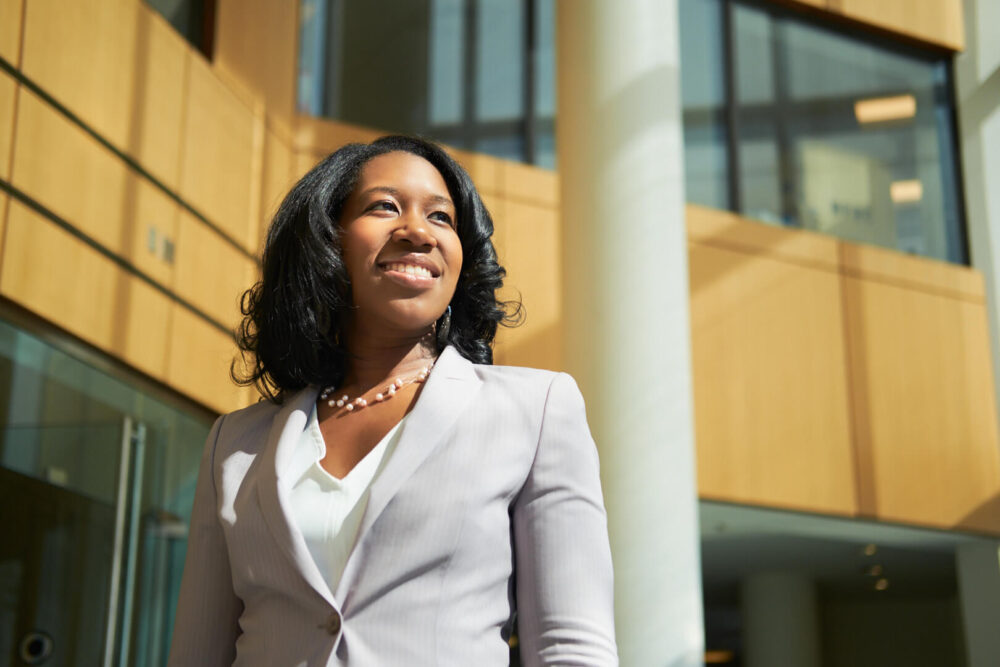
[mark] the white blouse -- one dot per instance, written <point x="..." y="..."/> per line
<point x="328" y="510"/>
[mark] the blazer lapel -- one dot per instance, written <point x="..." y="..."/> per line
<point x="273" y="489"/>
<point x="448" y="392"/>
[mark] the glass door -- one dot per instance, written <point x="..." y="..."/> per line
<point x="96" y="483"/>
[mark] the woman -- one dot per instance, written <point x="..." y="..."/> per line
<point x="398" y="498"/>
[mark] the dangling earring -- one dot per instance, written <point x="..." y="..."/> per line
<point x="444" y="327"/>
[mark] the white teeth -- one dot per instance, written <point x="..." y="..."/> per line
<point x="411" y="269"/>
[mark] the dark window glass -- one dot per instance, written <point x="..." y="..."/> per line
<point x="475" y="74"/>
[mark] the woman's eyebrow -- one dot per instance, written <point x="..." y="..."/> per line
<point x="395" y="192"/>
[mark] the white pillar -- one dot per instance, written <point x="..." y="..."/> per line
<point x="625" y="296"/>
<point x="780" y="621"/>
<point x="977" y="85"/>
<point x="979" y="596"/>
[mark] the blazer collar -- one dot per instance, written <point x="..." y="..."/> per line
<point x="449" y="390"/>
<point x="451" y="387"/>
<point x="286" y="429"/>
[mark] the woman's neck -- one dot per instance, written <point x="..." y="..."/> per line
<point x="372" y="358"/>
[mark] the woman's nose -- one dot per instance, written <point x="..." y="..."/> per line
<point x="414" y="228"/>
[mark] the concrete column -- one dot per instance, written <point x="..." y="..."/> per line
<point x="780" y="621"/>
<point x="625" y="295"/>
<point x="977" y="85"/>
<point x="978" y="568"/>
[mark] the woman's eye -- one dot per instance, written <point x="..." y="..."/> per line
<point x="384" y="205"/>
<point x="441" y="216"/>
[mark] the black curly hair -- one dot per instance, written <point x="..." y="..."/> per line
<point x="290" y="334"/>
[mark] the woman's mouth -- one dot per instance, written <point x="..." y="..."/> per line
<point x="408" y="275"/>
<point x="409" y="269"/>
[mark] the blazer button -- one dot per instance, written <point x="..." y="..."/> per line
<point x="333" y="624"/>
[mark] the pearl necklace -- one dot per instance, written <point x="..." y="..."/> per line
<point x="384" y="395"/>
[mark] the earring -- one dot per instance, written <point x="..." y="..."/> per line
<point x="444" y="327"/>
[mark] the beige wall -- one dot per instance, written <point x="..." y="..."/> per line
<point x="840" y="378"/>
<point x="828" y="377"/>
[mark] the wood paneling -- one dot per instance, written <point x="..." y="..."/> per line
<point x="484" y="170"/>
<point x="255" y="43"/>
<point x="83" y="182"/>
<point x="770" y="386"/>
<point x="723" y="229"/>
<point x="923" y="395"/>
<point x="118" y="66"/>
<point x="907" y="270"/>
<point x="52" y="273"/>
<point x="276" y="180"/>
<point x="200" y="355"/>
<point x="4" y="201"/>
<point x="320" y="136"/>
<point x="8" y="95"/>
<point x="303" y="162"/>
<point x="530" y="236"/>
<point x="10" y="30"/>
<point x="218" y="154"/>
<point x="210" y="273"/>
<point x="534" y="184"/>
<point x="935" y="21"/>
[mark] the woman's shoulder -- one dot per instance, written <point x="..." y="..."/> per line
<point x="253" y="417"/>
<point x="523" y="379"/>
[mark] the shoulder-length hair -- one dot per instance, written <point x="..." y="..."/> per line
<point x="293" y="317"/>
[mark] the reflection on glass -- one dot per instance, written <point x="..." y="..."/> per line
<point x="474" y="74"/>
<point x="96" y="484"/>
<point x="843" y="136"/>
<point x="703" y="98"/>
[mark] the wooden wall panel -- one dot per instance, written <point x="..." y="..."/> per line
<point x="923" y="395"/>
<point x="921" y="273"/>
<point x="8" y="95"/>
<point x="218" y="154"/>
<point x="935" y="21"/>
<point x="200" y="355"/>
<point x="276" y="180"/>
<point x="256" y="43"/>
<point x="83" y="182"/>
<point x="723" y="229"/>
<point x="484" y="170"/>
<point x="210" y="273"/>
<point x="530" y="236"/>
<point x="770" y="387"/>
<point x="3" y="221"/>
<point x="118" y="66"/>
<point x="50" y="272"/>
<point x="529" y="183"/>
<point x="10" y="30"/>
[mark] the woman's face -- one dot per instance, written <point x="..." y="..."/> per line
<point x="400" y="245"/>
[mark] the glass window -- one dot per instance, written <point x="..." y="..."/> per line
<point x="843" y="136"/>
<point x="703" y="98"/>
<point x="97" y="479"/>
<point x="474" y="74"/>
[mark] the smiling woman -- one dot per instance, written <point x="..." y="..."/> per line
<point x="398" y="499"/>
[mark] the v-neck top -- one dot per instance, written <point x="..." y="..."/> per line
<point x="328" y="510"/>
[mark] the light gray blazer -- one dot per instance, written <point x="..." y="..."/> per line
<point x="491" y="500"/>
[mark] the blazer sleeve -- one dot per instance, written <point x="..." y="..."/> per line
<point x="208" y="611"/>
<point x="564" y="579"/>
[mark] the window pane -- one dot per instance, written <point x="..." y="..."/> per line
<point x="453" y="70"/>
<point x="499" y="59"/>
<point x="703" y="100"/>
<point x="844" y="136"/>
